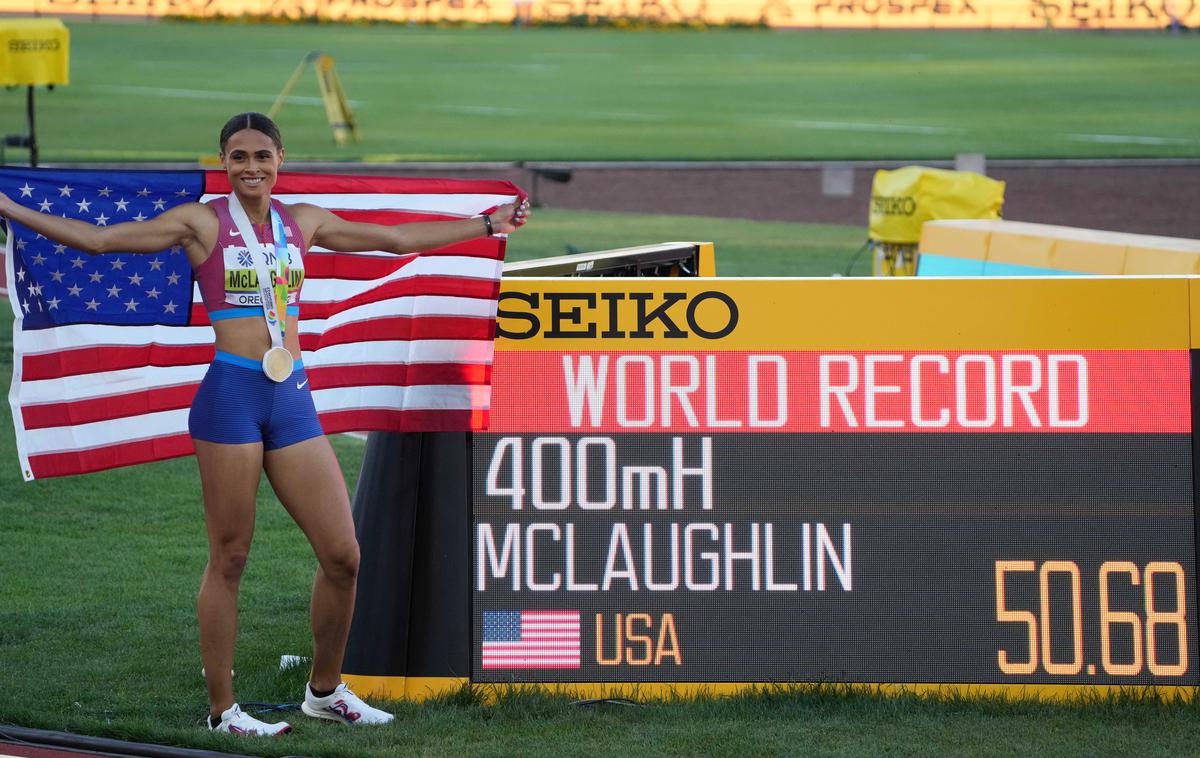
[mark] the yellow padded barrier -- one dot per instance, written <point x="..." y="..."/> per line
<point x="1060" y="248"/>
<point x="34" y="51"/>
<point x="904" y="199"/>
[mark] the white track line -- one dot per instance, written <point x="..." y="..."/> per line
<point x="205" y="94"/>
<point x="858" y="126"/>
<point x="1129" y="139"/>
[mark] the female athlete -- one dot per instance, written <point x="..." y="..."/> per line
<point x="273" y="425"/>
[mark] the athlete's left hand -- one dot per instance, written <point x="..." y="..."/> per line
<point x="508" y="218"/>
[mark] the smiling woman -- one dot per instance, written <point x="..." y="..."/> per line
<point x="254" y="409"/>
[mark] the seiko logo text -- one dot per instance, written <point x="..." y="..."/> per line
<point x="31" y="45"/>
<point x="607" y="315"/>
<point x="893" y="206"/>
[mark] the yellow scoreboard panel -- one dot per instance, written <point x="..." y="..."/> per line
<point x="703" y="485"/>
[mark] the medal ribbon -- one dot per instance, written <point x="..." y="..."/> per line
<point x="272" y="286"/>
<point x="283" y="262"/>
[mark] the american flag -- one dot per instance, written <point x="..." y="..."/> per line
<point x="531" y="639"/>
<point x="109" y="349"/>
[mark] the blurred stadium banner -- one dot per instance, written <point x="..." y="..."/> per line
<point x="696" y="485"/>
<point x="1015" y="248"/>
<point x="868" y="14"/>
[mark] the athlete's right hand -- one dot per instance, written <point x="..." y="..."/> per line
<point x="5" y="204"/>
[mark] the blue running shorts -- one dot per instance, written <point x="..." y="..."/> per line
<point x="237" y="403"/>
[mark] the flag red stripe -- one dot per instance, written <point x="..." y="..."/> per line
<point x="403" y="328"/>
<point x="328" y="184"/>
<point x="393" y="217"/>
<point x="491" y="248"/>
<point x="108" y="408"/>
<point x="349" y="266"/>
<point x="110" y="456"/>
<point x="199" y="316"/>
<point x="90" y="410"/>
<point x="352" y="267"/>
<point x="452" y="286"/>
<point x="398" y="375"/>
<point x="403" y="421"/>
<point x="89" y="360"/>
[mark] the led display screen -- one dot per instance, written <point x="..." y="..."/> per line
<point x="764" y="481"/>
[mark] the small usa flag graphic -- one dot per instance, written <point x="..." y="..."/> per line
<point x="531" y="639"/>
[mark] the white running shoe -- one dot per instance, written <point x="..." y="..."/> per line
<point x="343" y="706"/>
<point x="237" y="721"/>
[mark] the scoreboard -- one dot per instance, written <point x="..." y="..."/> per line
<point x="880" y="481"/>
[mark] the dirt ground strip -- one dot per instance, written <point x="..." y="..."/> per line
<point x="1143" y="197"/>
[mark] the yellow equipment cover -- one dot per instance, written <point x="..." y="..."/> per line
<point x="33" y="51"/>
<point x="904" y="199"/>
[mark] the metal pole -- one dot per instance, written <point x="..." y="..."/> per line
<point x="33" y="157"/>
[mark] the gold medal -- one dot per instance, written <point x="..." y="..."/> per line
<point x="277" y="364"/>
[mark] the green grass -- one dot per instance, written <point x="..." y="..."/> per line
<point x="161" y="91"/>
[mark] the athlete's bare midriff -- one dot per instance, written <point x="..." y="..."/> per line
<point x="244" y="337"/>
<point x="248" y="337"/>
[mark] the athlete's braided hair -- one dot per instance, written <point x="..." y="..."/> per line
<point x="251" y="120"/>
